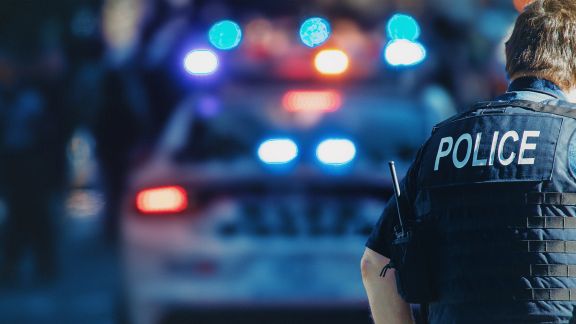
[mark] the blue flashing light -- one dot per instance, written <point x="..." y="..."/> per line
<point x="225" y="35"/>
<point x="315" y="31"/>
<point x="277" y="151"/>
<point x="201" y="62"/>
<point x="402" y="52"/>
<point x="336" y="151"/>
<point x="402" y="26"/>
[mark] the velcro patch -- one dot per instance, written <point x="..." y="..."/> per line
<point x="492" y="148"/>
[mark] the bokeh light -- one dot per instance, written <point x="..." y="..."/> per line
<point x="331" y="62"/>
<point x="170" y="199"/>
<point x="521" y="4"/>
<point x="336" y="151"/>
<point x="312" y="100"/>
<point x="314" y="31"/>
<point x="201" y="62"/>
<point x="83" y="203"/>
<point x="402" y="26"/>
<point x="225" y="35"/>
<point x="403" y="52"/>
<point x="277" y="151"/>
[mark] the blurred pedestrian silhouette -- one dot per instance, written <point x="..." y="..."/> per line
<point x="32" y="175"/>
<point x="118" y="132"/>
<point x="34" y="130"/>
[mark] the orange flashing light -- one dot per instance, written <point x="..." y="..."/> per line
<point x="521" y="4"/>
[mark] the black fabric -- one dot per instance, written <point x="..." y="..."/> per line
<point x="380" y="240"/>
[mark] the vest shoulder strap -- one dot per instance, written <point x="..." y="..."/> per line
<point x="562" y="109"/>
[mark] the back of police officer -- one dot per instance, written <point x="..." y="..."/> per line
<point x="493" y="191"/>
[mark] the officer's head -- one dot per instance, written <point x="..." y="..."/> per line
<point x="543" y="43"/>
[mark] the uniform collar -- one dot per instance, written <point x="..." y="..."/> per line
<point x="536" y="84"/>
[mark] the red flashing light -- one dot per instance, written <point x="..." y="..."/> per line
<point x="162" y="200"/>
<point x="316" y="101"/>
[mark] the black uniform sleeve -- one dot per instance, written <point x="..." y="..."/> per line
<point x="383" y="233"/>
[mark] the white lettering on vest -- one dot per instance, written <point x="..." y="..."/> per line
<point x="443" y="152"/>
<point x="464" y="137"/>
<point x="475" y="161"/>
<point x="497" y="146"/>
<point x="527" y="146"/>
<point x="493" y="148"/>
<point x="512" y="156"/>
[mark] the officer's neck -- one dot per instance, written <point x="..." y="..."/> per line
<point x="571" y="95"/>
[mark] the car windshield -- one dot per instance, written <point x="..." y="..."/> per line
<point x="232" y="126"/>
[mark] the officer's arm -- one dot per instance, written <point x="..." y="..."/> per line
<point x="386" y="304"/>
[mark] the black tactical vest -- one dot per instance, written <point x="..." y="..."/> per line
<point x="499" y="198"/>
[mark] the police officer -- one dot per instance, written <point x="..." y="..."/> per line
<point x="491" y="197"/>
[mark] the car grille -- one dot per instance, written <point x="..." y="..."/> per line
<point x="300" y="216"/>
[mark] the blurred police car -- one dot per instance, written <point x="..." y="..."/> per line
<point x="257" y="202"/>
